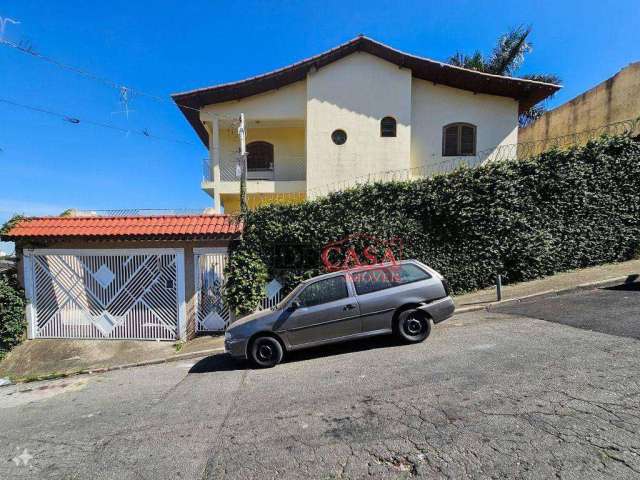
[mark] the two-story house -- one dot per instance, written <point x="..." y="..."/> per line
<point x="356" y="110"/>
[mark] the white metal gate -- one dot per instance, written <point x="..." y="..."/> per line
<point x="112" y="294"/>
<point x="212" y="315"/>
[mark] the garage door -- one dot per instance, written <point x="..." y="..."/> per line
<point x="105" y="294"/>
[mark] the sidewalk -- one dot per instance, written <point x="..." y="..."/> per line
<point x="35" y="359"/>
<point x="561" y="282"/>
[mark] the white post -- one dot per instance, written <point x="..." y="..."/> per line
<point x="181" y="332"/>
<point x="214" y="148"/>
<point x="27" y="261"/>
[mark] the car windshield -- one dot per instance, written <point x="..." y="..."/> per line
<point x="288" y="298"/>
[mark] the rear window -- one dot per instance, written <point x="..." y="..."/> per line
<point x="376" y="279"/>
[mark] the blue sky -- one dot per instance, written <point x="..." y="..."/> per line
<point x="49" y="165"/>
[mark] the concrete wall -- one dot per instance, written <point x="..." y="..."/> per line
<point x="354" y="94"/>
<point x="614" y="100"/>
<point x="434" y="106"/>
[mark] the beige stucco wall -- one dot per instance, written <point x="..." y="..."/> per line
<point x="288" y="102"/>
<point x="354" y="94"/>
<point x="614" y="100"/>
<point x="434" y="106"/>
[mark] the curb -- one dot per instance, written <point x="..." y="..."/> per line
<point x="609" y="282"/>
<point x="90" y="371"/>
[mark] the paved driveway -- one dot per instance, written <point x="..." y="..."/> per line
<point x="489" y="395"/>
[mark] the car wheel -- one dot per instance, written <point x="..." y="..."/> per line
<point x="266" y="352"/>
<point x="413" y="326"/>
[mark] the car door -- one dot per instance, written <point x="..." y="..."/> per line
<point x="327" y="310"/>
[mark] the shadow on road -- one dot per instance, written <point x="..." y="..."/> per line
<point x="225" y="363"/>
<point x="351" y="346"/>
<point x="219" y="363"/>
<point x="626" y="287"/>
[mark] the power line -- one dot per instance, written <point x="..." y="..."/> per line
<point x="27" y="50"/>
<point x="75" y="120"/>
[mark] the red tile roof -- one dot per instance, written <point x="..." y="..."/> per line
<point x="164" y="226"/>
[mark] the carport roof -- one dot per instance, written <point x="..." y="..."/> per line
<point x="169" y="227"/>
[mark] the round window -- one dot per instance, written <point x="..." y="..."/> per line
<point x="339" y="137"/>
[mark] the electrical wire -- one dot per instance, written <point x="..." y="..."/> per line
<point x="87" y="74"/>
<point x="75" y="120"/>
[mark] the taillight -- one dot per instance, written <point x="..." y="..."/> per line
<point x="447" y="291"/>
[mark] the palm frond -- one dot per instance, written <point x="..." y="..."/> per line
<point x="509" y="53"/>
<point x="474" y="62"/>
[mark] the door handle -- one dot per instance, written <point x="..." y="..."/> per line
<point x="350" y="306"/>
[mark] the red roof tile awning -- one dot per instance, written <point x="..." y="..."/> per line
<point x="168" y="227"/>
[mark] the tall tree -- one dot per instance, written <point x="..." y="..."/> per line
<point x="506" y="58"/>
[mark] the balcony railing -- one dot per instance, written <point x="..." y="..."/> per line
<point x="228" y="170"/>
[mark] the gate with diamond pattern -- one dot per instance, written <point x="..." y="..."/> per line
<point x="212" y="314"/>
<point x="105" y="294"/>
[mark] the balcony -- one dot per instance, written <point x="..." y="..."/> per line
<point x="284" y="182"/>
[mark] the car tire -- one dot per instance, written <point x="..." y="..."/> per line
<point x="413" y="326"/>
<point x="266" y="352"/>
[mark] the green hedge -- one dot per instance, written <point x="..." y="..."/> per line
<point x="12" y="319"/>
<point x="523" y="219"/>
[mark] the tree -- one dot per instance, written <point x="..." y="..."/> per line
<point x="506" y="59"/>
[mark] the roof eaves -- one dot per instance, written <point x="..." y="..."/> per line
<point x="191" y="101"/>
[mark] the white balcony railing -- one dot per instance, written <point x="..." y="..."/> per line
<point x="295" y="170"/>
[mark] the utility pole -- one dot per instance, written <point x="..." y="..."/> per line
<point x="242" y="160"/>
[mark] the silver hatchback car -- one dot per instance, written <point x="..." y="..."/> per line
<point x="401" y="298"/>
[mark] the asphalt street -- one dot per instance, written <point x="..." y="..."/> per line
<point x="519" y="392"/>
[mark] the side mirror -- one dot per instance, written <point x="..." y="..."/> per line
<point x="294" y="305"/>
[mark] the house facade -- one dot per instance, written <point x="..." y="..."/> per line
<point x="358" y="110"/>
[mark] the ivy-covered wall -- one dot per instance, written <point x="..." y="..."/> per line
<point x="523" y="219"/>
<point x="12" y="317"/>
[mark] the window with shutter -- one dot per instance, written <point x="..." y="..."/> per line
<point x="450" y="141"/>
<point x="388" y="127"/>
<point x="458" y="139"/>
<point x="467" y="140"/>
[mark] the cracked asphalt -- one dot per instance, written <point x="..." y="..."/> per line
<point x="500" y="394"/>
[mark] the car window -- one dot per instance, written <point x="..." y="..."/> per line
<point x="375" y="279"/>
<point x="409" y="272"/>
<point x="372" y="280"/>
<point x="324" y="291"/>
